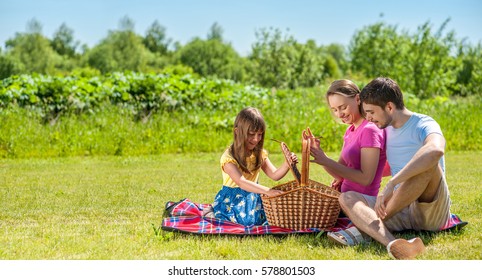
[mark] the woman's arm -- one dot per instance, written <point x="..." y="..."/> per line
<point x="317" y="152"/>
<point x="364" y="176"/>
<point x="333" y="173"/>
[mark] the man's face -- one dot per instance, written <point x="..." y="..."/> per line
<point x="377" y="115"/>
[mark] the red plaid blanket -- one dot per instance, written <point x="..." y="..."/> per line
<point x="186" y="216"/>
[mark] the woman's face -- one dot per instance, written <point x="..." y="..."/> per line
<point x="345" y="108"/>
<point x="253" y="139"/>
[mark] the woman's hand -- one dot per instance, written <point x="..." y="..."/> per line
<point x="336" y="184"/>
<point x="315" y="149"/>
<point x="317" y="152"/>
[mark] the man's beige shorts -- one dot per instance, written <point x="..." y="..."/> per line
<point x="430" y="216"/>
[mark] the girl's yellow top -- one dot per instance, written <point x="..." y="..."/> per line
<point x="250" y="161"/>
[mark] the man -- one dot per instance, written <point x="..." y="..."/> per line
<point x="416" y="197"/>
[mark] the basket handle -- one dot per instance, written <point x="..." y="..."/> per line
<point x="305" y="157"/>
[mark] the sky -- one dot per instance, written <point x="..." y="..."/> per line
<point x="325" y="22"/>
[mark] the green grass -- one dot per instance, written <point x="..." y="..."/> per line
<point x="110" y="208"/>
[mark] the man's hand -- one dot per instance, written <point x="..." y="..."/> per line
<point x="382" y="200"/>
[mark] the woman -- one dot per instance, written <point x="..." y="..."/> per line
<point x="362" y="159"/>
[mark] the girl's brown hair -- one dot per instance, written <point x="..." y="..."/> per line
<point x="248" y="120"/>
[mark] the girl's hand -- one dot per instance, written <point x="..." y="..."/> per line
<point x="294" y="158"/>
<point x="336" y="184"/>
<point x="273" y="192"/>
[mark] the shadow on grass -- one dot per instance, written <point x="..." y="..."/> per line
<point x="428" y="236"/>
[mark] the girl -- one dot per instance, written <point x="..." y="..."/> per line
<point x="239" y="200"/>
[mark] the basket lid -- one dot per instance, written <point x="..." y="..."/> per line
<point x="302" y="178"/>
<point x="287" y="154"/>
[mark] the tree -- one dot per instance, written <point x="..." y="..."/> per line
<point x="339" y="54"/>
<point x="422" y="63"/>
<point x="212" y="57"/>
<point x="378" y="50"/>
<point x="63" y="41"/>
<point x="9" y="66"/>
<point x="34" y="26"/>
<point x="469" y="73"/>
<point x="282" y="62"/>
<point x="431" y="61"/>
<point x="121" y="50"/>
<point x="155" y="39"/>
<point x="29" y="52"/>
<point x="126" y="24"/>
<point x="215" y="32"/>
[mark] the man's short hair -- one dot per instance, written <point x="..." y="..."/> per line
<point x="382" y="90"/>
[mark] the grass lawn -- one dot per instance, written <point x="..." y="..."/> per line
<point x="108" y="208"/>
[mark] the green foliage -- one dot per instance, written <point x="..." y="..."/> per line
<point x="431" y="62"/>
<point x="378" y="50"/>
<point x="339" y="53"/>
<point x="142" y="93"/>
<point x="30" y="53"/>
<point x="135" y="114"/>
<point x="9" y="66"/>
<point x="331" y="67"/>
<point x="281" y="62"/>
<point x="52" y="96"/>
<point x="425" y="63"/>
<point x="212" y="58"/>
<point x="215" y="32"/>
<point x="179" y="70"/>
<point x="155" y="39"/>
<point x="469" y="77"/>
<point x="120" y="51"/>
<point x="63" y="42"/>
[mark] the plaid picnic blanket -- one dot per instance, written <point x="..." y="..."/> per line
<point x="186" y="216"/>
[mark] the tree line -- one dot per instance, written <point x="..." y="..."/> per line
<point x="428" y="62"/>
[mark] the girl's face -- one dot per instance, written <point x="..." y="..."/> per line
<point x="345" y="108"/>
<point x="253" y="139"/>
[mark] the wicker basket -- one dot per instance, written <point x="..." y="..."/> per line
<point x="305" y="203"/>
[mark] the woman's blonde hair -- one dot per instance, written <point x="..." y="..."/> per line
<point x="249" y="119"/>
<point x="345" y="88"/>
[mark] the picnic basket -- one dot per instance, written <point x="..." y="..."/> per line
<point x="305" y="203"/>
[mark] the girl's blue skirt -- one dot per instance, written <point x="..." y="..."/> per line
<point x="239" y="206"/>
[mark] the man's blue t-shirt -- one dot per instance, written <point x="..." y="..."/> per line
<point x="404" y="142"/>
